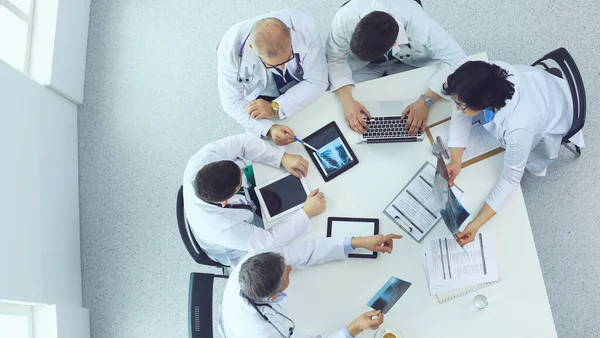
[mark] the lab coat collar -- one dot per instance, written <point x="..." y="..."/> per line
<point x="280" y="297"/>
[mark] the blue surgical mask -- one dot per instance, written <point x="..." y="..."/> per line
<point x="488" y="114"/>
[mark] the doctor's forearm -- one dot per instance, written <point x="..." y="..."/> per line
<point x="432" y="95"/>
<point x="485" y="214"/>
<point x="345" y="93"/>
<point x="456" y="154"/>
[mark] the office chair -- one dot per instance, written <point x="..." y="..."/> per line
<point x="200" y="317"/>
<point x="188" y="238"/>
<point x="568" y="70"/>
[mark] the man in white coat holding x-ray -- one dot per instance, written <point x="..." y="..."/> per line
<point x="527" y="109"/>
<point x="218" y="199"/>
<point x="254" y="299"/>
<point x="271" y="67"/>
<point x="374" y="38"/>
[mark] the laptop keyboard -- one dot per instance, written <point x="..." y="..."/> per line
<point x="387" y="127"/>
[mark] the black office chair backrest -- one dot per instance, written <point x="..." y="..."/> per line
<point x="571" y="74"/>
<point x="188" y="237"/>
<point x="200" y="304"/>
<point x="417" y="1"/>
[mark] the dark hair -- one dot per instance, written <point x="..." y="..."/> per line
<point x="480" y="85"/>
<point x="374" y="35"/>
<point x="261" y="276"/>
<point x="217" y="181"/>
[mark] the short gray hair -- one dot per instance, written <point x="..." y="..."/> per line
<point x="261" y="276"/>
<point x="270" y="37"/>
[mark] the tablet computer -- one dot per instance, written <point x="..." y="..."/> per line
<point x="334" y="155"/>
<point x="281" y="196"/>
<point x="353" y="227"/>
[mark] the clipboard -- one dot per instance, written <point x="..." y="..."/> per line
<point x="470" y="161"/>
<point x="350" y="227"/>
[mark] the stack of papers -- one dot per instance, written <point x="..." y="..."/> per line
<point x="449" y="267"/>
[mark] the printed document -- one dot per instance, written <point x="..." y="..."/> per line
<point x="448" y="267"/>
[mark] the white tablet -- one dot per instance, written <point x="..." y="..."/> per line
<point x="354" y="227"/>
<point x="281" y="196"/>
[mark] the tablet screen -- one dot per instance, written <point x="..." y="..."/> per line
<point x="283" y="195"/>
<point x="333" y="155"/>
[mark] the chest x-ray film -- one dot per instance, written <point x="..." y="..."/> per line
<point x="334" y="155"/>
<point x="389" y="294"/>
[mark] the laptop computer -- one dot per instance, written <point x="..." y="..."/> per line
<point x="387" y="126"/>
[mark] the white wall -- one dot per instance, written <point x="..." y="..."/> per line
<point x="59" y="46"/>
<point x="40" y="258"/>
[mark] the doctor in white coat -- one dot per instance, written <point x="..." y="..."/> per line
<point x="374" y="38"/>
<point x="527" y="109"/>
<point x="223" y="219"/>
<point x="254" y="300"/>
<point x="271" y="67"/>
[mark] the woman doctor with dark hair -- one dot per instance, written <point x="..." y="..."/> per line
<point x="527" y="109"/>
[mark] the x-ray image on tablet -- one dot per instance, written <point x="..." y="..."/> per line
<point x="334" y="155"/>
<point x="281" y="196"/>
<point x="389" y="294"/>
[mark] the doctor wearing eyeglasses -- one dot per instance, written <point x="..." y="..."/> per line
<point x="269" y="68"/>
<point x="254" y="299"/>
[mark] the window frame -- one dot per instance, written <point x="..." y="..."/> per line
<point x="15" y="309"/>
<point x="28" y="18"/>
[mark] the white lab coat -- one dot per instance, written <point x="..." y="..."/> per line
<point x="238" y="318"/>
<point x="236" y="95"/>
<point x="530" y="127"/>
<point x="421" y="41"/>
<point x="225" y="234"/>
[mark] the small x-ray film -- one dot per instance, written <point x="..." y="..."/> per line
<point x="389" y="294"/>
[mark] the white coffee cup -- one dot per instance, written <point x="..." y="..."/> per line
<point x="391" y="333"/>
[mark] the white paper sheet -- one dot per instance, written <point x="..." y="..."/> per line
<point x="448" y="267"/>
<point x="480" y="140"/>
<point x="353" y="229"/>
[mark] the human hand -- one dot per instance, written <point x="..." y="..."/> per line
<point x="453" y="171"/>
<point x="376" y="243"/>
<point x="281" y="135"/>
<point x="315" y="203"/>
<point x="365" y="322"/>
<point x="294" y="164"/>
<point x="260" y="109"/>
<point x="353" y="111"/>
<point x="468" y="235"/>
<point x="417" y="116"/>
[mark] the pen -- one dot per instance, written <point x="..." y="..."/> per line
<point x="305" y="144"/>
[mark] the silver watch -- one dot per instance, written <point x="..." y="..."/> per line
<point x="428" y="101"/>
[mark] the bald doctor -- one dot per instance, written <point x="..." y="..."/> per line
<point x="374" y="38"/>
<point x="270" y="67"/>
<point x="219" y="204"/>
<point x="527" y="109"/>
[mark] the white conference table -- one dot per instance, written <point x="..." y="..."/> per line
<point x="328" y="297"/>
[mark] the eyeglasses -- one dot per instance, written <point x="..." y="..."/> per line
<point x="268" y="66"/>
<point x="464" y="109"/>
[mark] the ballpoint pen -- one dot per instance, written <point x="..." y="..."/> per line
<point x="305" y="144"/>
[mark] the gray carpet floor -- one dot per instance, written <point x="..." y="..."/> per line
<point x="151" y="102"/>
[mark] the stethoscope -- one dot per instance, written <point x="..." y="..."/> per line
<point x="255" y="306"/>
<point x="250" y="77"/>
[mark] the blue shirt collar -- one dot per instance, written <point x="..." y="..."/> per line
<point x="489" y="115"/>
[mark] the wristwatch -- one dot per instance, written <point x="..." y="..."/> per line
<point x="275" y="107"/>
<point x="428" y="101"/>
